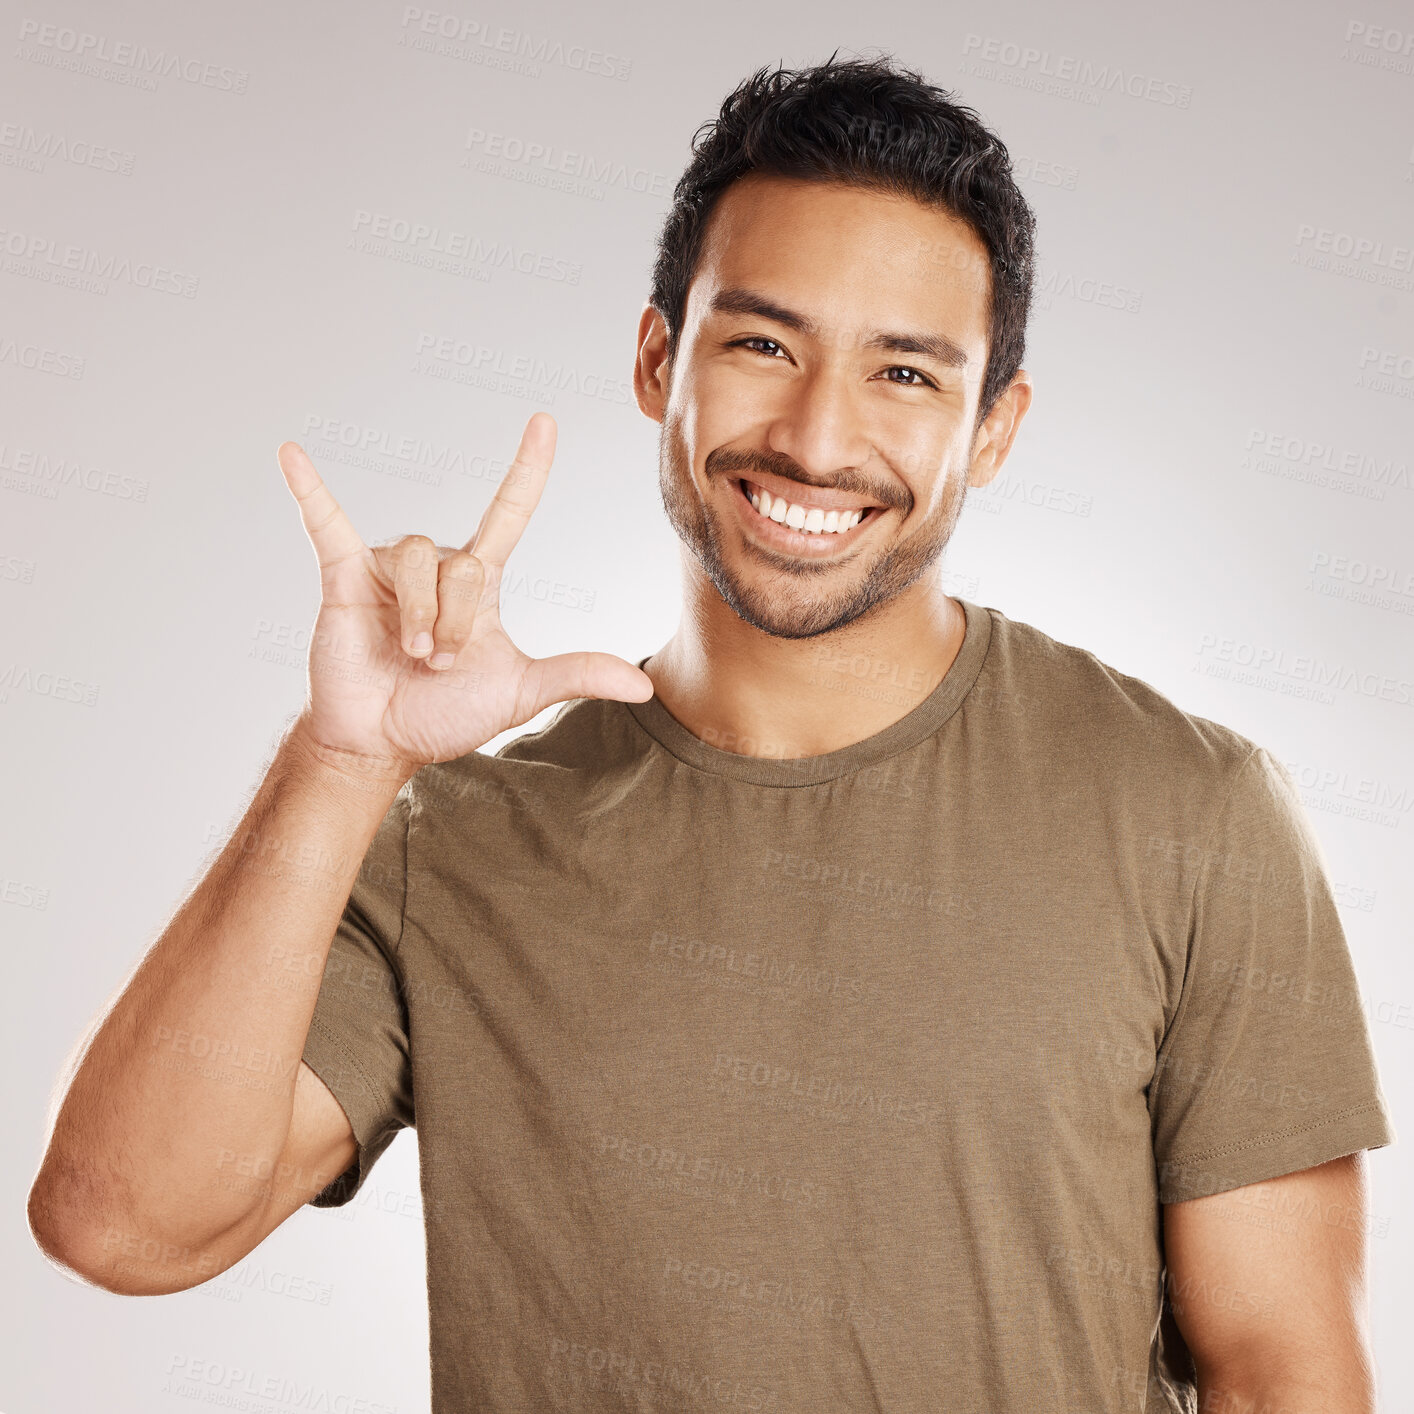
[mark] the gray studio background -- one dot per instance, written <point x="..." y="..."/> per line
<point x="1212" y="490"/>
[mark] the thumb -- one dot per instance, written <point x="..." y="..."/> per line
<point x="568" y="675"/>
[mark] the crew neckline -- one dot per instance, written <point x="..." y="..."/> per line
<point x="916" y="724"/>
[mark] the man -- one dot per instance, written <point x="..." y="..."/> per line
<point x="864" y="1002"/>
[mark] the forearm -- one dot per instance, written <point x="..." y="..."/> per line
<point x="191" y="1072"/>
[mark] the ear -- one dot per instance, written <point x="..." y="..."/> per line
<point x="998" y="430"/>
<point x="652" y="370"/>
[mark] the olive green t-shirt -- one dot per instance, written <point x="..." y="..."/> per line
<point x="844" y="1082"/>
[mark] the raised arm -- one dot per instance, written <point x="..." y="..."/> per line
<point x="187" y="1126"/>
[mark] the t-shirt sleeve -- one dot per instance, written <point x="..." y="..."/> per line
<point x="358" y="1036"/>
<point x="1267" y="1066"/>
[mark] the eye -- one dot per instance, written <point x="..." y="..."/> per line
<point x="753" y="339"/>
<point x="925" y="382"/>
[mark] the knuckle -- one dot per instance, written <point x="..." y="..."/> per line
<point x="449" y="640"/>
<point x="416" y="584"/>
<point x="461" y="564"/>
<point x="417" y="549"/>
<point x="461" y="582"/>
<point x="519" y="473"/>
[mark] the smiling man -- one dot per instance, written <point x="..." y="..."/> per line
<point x="866" y="1001"/>
<point x="831" y="478"/>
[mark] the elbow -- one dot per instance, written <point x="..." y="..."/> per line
<point x="106" y="1256"/>
<point x="57" y="1237"/>
<point x="1334" y="1375"/>
<point x="63" y="1242"/>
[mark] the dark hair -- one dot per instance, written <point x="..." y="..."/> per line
<point x="867" y="123"/>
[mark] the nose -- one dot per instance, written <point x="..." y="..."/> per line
<point x="819" y="425"/>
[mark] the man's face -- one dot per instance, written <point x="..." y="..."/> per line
<point x="791" y="379"/>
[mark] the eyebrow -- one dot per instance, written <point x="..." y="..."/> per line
<point x="735" y="300"/>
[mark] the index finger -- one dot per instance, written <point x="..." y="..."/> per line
<point x="329" y="529"/>
<point x="518" y="494"/>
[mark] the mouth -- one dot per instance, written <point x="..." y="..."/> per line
<point x="802" y="525"/>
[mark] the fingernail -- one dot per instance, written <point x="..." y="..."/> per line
<point x="422" y="643"/>
<point x="440" y="660"/>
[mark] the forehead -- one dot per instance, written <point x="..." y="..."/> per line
<point x="844" y="255"/>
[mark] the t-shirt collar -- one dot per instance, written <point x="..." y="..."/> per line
<point x="909" y="730"/>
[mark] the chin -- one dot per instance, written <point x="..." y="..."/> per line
<point x="786" y="610"/>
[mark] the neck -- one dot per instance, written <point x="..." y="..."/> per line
<point x="745" y="691"/>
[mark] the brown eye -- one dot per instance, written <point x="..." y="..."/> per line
<point x="753" y="339"/>
<point x="924" y="380"/>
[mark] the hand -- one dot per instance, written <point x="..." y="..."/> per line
<point x="408" y="663"/>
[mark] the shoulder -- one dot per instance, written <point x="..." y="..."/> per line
<point x="584" y="739"/>
<point x="1070" y="706"/>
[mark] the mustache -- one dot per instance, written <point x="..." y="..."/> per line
<point x="726" y="460"/>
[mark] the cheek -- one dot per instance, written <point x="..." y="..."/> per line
<point x="728" y="408"/>
<point x="709" y="416"/>
<point x="696" y="410"/>
<point x="936" y="492"/>
<point x="922" y="467"/>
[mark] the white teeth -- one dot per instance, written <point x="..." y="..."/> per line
<point x="811" y="519"/>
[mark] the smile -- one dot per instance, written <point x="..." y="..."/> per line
<point x="806" y="520"/>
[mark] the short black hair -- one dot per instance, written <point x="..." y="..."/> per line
<point x="867" y="123"/>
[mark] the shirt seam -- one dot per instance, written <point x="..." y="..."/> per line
<point x="1194" y="941"/>
<point x="827" y="780"/>
<point x="1369" y="1107"/>
<point x="403" y="906"/>
<point x="332" y="1040"/>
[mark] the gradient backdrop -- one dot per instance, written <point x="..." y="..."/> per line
<point x="391" y="233"/>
